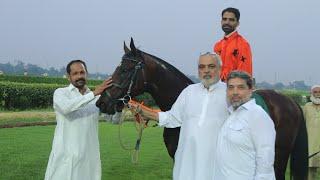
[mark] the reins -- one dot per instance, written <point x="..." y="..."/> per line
<point x="139" y="121"/>
<point x="140" y="124"/>
<point x="313" y="154"/>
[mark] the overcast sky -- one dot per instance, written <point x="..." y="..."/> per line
<point x="284" y="34"/>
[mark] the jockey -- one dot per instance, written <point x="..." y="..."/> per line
<point x="234" y="50"/>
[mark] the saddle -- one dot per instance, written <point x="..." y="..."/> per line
<point x="260" y="101"/>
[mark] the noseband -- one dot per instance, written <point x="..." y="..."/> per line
<point x="127" y="97"/>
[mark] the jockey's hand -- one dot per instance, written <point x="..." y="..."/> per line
<point x="100" y="88"/>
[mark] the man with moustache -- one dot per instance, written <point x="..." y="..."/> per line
<point x="246" y="141"/>
<point x="200" y="110"/>
<point x="75" y="151"/>
<point x="311" y="112"/>
<point x="234" y="50"/>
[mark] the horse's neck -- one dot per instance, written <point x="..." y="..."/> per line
<point x="165" y="86"/>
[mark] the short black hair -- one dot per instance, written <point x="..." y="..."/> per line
<point x="242" y="75"/>
<point x="75" y="61"/>
<point x="235" y="11"/>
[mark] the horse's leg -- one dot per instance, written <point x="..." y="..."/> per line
<point x="171" y="139"/>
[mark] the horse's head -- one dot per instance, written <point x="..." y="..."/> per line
<point x="128" y="81"/>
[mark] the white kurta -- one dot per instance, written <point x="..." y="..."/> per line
<point x="200" y="113"/>
<point x="75" y="149"/>
<point x="246" y="145"/>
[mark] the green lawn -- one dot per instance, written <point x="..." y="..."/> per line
<point x="24" y="153"/>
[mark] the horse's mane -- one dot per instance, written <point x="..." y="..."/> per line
<point x="170" y="67"/>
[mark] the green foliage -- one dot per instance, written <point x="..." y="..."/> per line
<point x="42" y="80"/>
<point x="296" y="95"/>
<point x="22" y="96"/>
<point x="29" y="92"/>
<point x="147" y="99"/>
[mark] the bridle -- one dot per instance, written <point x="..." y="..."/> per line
<point x="127" y="97"/>
<point x="139" y="65"/>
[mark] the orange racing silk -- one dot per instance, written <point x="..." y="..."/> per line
<point x="235" y="53"/>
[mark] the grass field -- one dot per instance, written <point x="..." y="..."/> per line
<point x="24" y="153"/>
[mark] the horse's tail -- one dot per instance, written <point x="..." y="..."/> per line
<point x="299" y="155"/>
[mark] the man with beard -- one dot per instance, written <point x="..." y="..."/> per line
<point x="246" y="141"/>
<point x="75" y="151"/>
<point x="312" y="115"/>
<point x="234" y="50"/>
<point x="200" y="110"/>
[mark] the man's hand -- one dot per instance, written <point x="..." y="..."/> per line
<point x="100" y="88"/>
<point x="144" y="110"/>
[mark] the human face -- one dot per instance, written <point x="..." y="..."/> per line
<point x="78" y="75"/>
<point x="238" y="92"/>
<point x="229" y="22"/>
<point x="209" y="70"/>
<point x="316" y="92"/>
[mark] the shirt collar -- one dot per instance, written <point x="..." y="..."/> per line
<point x="213" y="86"/>
<point x="231" y="35"/>
<point x="246" y="106"/>
<point x="71" y="87"/>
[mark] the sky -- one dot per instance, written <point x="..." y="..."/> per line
<point x="283" y="34"/>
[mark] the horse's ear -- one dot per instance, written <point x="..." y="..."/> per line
<point x="132" y="46"/>
<point x="125" y="48"/>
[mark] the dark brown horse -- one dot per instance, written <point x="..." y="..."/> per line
<point x="140" y="72"/>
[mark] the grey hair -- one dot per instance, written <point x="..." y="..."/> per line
<point x="242" y="75"/>
<point x="214" y="56"/>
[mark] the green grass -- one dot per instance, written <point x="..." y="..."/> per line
<point x="24" y="153"/>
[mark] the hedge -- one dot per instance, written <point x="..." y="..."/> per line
<point x="14" y="95"/>
<point x="20" y="96"/>
<point x="26" y="96"/>
<point x="42" y="80"/>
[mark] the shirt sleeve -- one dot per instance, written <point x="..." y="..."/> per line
<point x="65" y="104"/>
<point x="245" y="58"/>
<point x="217" y="48"/>
<point x="173" y="117"/>
<point x="263" y="135"/>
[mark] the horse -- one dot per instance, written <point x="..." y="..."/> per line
<point x="141" y="72"/>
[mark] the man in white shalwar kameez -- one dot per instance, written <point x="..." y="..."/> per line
<point x="246" y="142"/>
<point x="75" y="149"/>
<point x="200" y="110"/>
